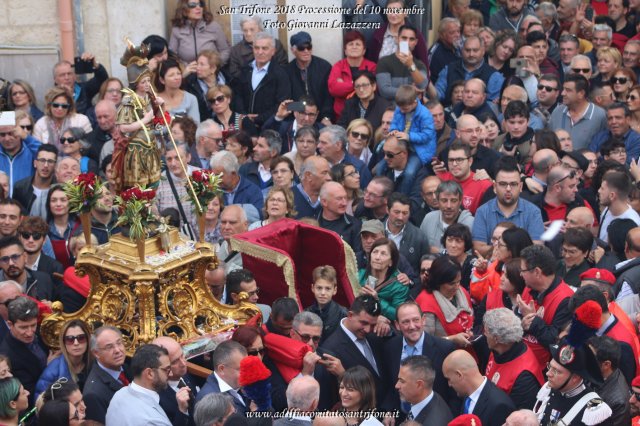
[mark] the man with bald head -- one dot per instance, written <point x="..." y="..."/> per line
<point x="101" y="137"/>
<point x="303" y="394"/>
<point x="315" y="171"/>
<point x="428" y="202"/>
<point x="481" y="396"/>
<point x="233" y="220"/>
<point x="474" y="100"/>
<point x="178" y="398"/>
<point x="542" y="161"/>
<point x="333" y="215"/>
<point x="9" y="290"/>
<point x="216" y="281"/>
<point x="468" y="131"/>
<point x="517" y="93"/>
<point x="396" y="158"/>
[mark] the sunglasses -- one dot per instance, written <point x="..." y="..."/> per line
<point x="81" y="338"/>
<point x="27" y="235"/>
<point x="358" y="135"/>
<point x="64" y="140"/>
<point x="424" y="271"/>
<point x="389" y="154"/>
<point x="218" y="99"/>
<point x="28" y="127"/>
<point x="581" y="70"/>
<point x="569" y="176"/>
<point x="619" y="80"/>
<point x="13" y="258"/>
<point x="306" y="337"/>
<point x="57" y="385"/>
<point x="193" y="5"/>
<point x="635" y="394"/>
<point x="256" y="352"/>
<point x="303" y="48"/>
<point x="57" y="105"/>
<point x="546" y="88"/>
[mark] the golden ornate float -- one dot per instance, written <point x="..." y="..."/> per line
<point x="166" y="295"/>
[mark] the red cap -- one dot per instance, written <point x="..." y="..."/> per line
<point x="601" y="275"/>
<point x="466" y="420"/>
<point x="636" y="382"/>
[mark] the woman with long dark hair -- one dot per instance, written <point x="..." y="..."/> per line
<point x="357" y="394"/>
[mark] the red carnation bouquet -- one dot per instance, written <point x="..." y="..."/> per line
<point x="134" y="211"/>
<point x="83" y="192"/>
<point x="206" y="186"/>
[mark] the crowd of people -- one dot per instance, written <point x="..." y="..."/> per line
<point x="488" y="185"/>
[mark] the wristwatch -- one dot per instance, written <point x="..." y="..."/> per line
<point x="412" y="68"/>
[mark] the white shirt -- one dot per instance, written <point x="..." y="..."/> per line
<point x="415" y="409"/>
<point x="258" y="73"/>
<point x="153" y="394"/>
<point x="396" y="238"/>
<point x="607" y="217"/>
<point x="224" y="387"/>
<point x="265" y="174"/>
<point x="475" y="395"/>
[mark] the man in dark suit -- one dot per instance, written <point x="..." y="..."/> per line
<point x="415" y="385"/>
<point x="302" y="398"/>
<point x="482" y="397"/>
<point x="266" y="149"/>
<point x="226" y="372"/>
<point x="350" y="345"/>
<point x="411" y="242"/>
<point x="414" y="340"/>
<point x="27" y="353"/>
<point x="107" y="375"/>
<point x="9" y="290"/>
<point x="287" y="122"/>
<point x="178" y="378"/>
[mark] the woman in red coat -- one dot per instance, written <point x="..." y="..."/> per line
<point x="446" y="304"/>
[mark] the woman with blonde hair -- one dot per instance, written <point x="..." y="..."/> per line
<point x="207" y="75"/>
<point x="609" y="60"/>
<point x="278" y="205"/>
<point x="75" y="359"/>
<point x="25" y="121"/>
<point x="22" y="98"/>
<point x="360" y="135"/>
<point x="60" y="114"/>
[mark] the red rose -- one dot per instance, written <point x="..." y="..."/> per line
<point x="137" y="193"/>
<point x="197" y="175"/>
<point x="149" y="194"/>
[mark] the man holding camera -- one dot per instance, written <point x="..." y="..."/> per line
<point x="64" y="75"/>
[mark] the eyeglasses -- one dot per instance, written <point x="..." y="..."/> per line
<point x="18" y="93"/>
<point x="358" y="135"/>
<point x="216" y="140"/>
<point x="371" y="194"/>
<point x="500" y="243"/>
<point x="4" y="134"/>
<point x="353" y="173"/>
<point x="193" y="5"/>
<point x="254" y="292"/>
<point x="306" y="337"/>
<point x="552" y="370"/>
<point x="45" y="161"/>
<point x="581" y="70"/>
<point x="27" y="235"/>
<point x="57" y="105"/>
<point x="362" y="86"/>
<point x="522" y="271"/>
<point x="569" y="176"/>
<point x="619" y="80"/>
<point x="390" y="154"/>
<point x="277" y="200"/>
<point x="458" y="160"/>
<point x="69" y="140"/>
<point x="424" y="271"/>
<point x="27" y="127"/>
<point x="13" y="258"/>
<point x="506" y="185"/>
<point x="218" y="99"/>
<point x="119" y="344"/>
<point x="477" y="130"/>
<point x="546" y="88"/>
<point x="305" y="47"/>
<point x="167" y="369"/>
<point x="70" y="340"/>
<point x="618" y="151"/>
<point x="57" y="385"/>
<point x="256" y="352"/>
<point x="113" y="90"/>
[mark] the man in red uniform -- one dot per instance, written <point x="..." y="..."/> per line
<point x="459" y="165"/>
<point x="544" y="302"/>
<point x="609" y="326"/>
<point x="512" y="366"/>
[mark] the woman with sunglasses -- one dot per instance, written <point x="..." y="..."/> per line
<point x="366" y="103"/>
<point x="623" y="80"/>
<point x="63" y="389"/>
<point x="348" y="176"/>
<point x="360" y="134"/>
<point x="75" y="358"/>
<point x="633" y="102"/>
<point x="380" y="277"/>
<point x="22" y="98"/>
<point x="178" y="102"/>
<point x="73" y="142"/>
<point x="219" y="97"/>
<point x="60" y="114"/>
<point x="208" y="74"/>
<point x="193" y="31"/>
<point x="14" y="399"/>
<point x="25" y="121"/>
<point x="60" y="413"/>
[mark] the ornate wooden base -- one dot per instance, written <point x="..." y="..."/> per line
<point x="165" y="295"/>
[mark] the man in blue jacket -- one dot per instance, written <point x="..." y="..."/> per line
<point x="18" y="149"/>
